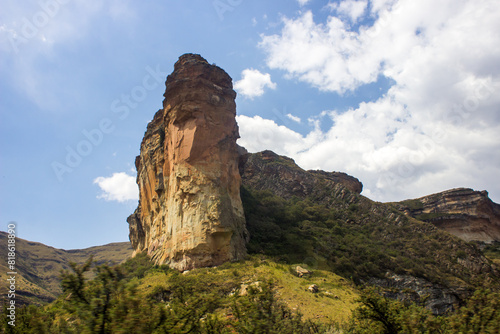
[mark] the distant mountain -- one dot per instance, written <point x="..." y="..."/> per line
<point x="38" y="266"/>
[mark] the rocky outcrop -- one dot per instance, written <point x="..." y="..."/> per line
<point x="190" y="212"/>
<point x="465" y="213"/>
<point x="302" y="271"/>
<point x="268" y="171"/>
<point x="439" y="299"/>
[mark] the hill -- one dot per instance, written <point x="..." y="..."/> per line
<point x="39" y="266"/>
<point x="316" y="218"/>
<point x="307" y="216"/>
<point x="257" y="295"/>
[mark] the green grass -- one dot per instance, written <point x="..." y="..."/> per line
<point x="431" y="216"/>
<point x="413" y="204"/>
<point x="492" y="251"/>
<point x="334" y="302"/>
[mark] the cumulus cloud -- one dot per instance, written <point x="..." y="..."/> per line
<point x="119" y="187"/>
<point x="437" y="126"/>
<point x="353" y="9"/>
<point x="253" y="82"/>
<point x="259" y="134"/>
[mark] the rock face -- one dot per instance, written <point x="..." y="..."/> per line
<point x="268" y="171"/>
<point x="190" y="212"/>
<point x="437" y="298"/>
<point x="468" y="214"/>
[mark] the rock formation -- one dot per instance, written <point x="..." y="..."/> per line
<point x="269" y="171"/>
<point x="465" y="213"/>
<point x="437" y="298"/>
<point x="190" y="212"/>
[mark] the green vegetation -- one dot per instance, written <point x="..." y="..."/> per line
<point x="357" y="240"/>
<point x="377" y="314"/>
<point x="38" y="267"/>
<point x="493" y="252"/>
<point x="342" y="237"/>
<point x="413" y="204"/>
<point x="253" y="296"/>
<point x="139" y="297"/>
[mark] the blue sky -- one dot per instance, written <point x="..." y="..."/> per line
<point x="401" y="94"/>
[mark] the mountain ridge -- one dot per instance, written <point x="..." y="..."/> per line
<point x="38" y="266"/>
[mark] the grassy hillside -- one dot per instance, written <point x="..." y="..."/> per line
<point x="302" y="216"/>
<point x="357" y="238"/>
<point x="334" y="301"/>
<point x="212" y="300"/>
<point x="258" y="295"/>
<point x="39" y="266"/>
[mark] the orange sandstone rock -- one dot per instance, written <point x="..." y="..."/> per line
<point x="190" y="212"/>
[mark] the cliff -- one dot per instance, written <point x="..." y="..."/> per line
<point x="280" y="174"/>
<point x="465" y="213"/>
<point x="190" y="212"/>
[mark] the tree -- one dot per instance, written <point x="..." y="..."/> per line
<point x="480" y="315"/>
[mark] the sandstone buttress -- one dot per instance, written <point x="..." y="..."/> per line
<point x="190" y="212"/>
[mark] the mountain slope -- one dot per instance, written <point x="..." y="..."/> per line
<point x="334" y="228"/>
<point x="316" y="218"/>
<point x="39" y="266"/>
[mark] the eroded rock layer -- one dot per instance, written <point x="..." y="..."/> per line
<point x="468" y="214"/>
<point x="190" y="212"/>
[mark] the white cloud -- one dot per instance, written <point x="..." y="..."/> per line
<point x="294" y="118"/>
<point x="253" y="82"/>
<point x="259" y="134"/>
<point x="353" y="9"/>
<point x="119" y="187"/>
<point x="327" y="56"/>
<point x="436" y="128"/>
<point x="303" y="2"/>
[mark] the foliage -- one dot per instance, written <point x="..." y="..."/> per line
<point x="480" y="315"/>
<point x="377" y="314"/>
<point x="356" y="239"/>
<point x="413" y="204"/>
<point x="38" y="267"/>
<point x="116" y="301"/>
<point x="345" y="234"/>
<point x="493" y="251"/>
<point x="260" y="312"/>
